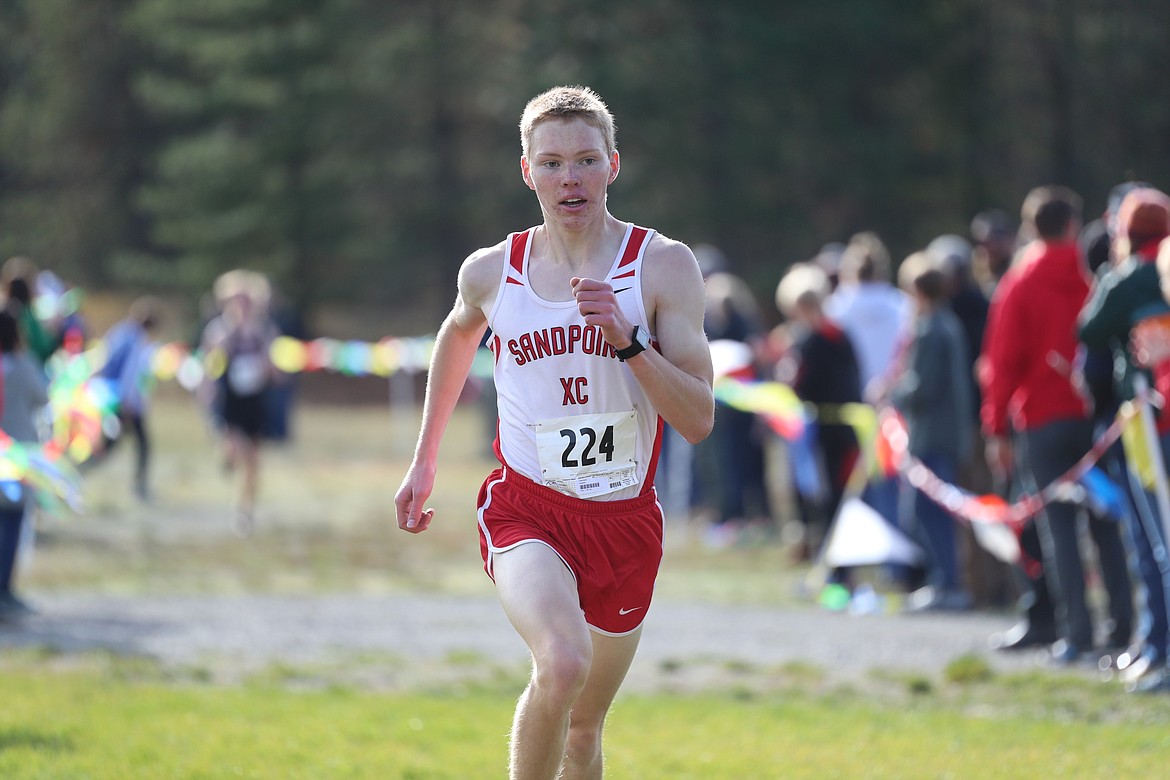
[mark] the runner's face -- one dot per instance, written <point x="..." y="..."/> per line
<point x="569" y="170"/>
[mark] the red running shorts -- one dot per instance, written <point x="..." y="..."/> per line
<point x="612" y="548"/>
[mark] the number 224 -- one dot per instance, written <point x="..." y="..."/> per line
<point x="588" y="438"/>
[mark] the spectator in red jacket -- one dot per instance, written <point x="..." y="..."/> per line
<point x="1029" y="388"/>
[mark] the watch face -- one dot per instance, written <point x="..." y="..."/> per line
<point x="639" y="342"/>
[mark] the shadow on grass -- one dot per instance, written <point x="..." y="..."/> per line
<point x="40" y="741"/>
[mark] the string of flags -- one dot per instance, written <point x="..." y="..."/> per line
<point x="83" y="405"/>
<point x="883" y="440"/>
<point x="382" y="358"/>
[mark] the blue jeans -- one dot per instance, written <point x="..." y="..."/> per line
<point x="881" y="493"/>
<point x="743" y="491"/>
<point x="933" y="527"/>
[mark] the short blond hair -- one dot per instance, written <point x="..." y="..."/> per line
<point x="804" y="287"/>
<point x="229" y="284"/>
<point x="240" y="281"/>
<point x="865" y="259"/>
<point x="922" y="273"/>
<point x="568" y="103"/>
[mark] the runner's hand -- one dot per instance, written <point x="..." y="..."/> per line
<point x="408" y="502"/>
<point x="597" y="303"/>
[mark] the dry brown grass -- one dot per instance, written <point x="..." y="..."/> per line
<point x="325" y="521"/>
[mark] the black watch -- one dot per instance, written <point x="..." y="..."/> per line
<point x="639" y="341"/>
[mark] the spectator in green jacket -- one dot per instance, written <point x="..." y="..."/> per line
<point x="19" y="280"/>
<point x="1127" y="293"/>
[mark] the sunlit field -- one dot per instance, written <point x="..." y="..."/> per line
<point x="325" y="520"/>
<point x="325" y="526"/>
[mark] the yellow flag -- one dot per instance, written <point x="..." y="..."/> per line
<point x="1137" y="444"/>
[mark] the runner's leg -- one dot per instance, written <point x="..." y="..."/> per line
<point x="539" y="596"/>
<point x="612" y="656"/>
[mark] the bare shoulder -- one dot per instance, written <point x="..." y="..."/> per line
<point x="671" y="271"/>
<point x="666" y="250"/>
<point x="479" y="277"/>
<point x="672" y="288"/>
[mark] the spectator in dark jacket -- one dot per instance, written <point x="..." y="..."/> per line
<point x="1128" y="292"/>
<point x="933" y="394"/>
<point x="821" y="367"/>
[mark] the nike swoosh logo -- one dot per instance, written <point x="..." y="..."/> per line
<point x="622" y="289"/>
<point x="628" y="611"/>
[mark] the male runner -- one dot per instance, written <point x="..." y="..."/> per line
<point x="596" y="326"/>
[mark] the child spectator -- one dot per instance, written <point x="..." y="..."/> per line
<point x="821" y="367"/>
<point x="933" y="394"/>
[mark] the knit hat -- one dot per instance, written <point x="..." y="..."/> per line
<point x="1144" y="216"/>
<point x="1118" y="193"/>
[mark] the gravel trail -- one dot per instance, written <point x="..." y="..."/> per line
<point x="407" y="640"/>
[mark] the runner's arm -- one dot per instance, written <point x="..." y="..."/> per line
<point x="455" y="348"/>
<point x="678" y="376"/>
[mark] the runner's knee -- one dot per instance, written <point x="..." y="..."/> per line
<point x="561" y="668"/>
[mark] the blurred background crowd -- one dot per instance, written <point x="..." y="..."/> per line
<point x="1007" y="354"/>
<point x="856" y="179"/>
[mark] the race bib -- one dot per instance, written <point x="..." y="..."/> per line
<point x="247" y="373"/>
<point x="588" y="455"/>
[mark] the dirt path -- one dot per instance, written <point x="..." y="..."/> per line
<point x="407" y="641"/>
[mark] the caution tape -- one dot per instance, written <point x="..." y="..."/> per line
<point x="991" y="508"/>
<point x="788" y="415"/>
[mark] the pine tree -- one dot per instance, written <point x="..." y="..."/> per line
<point x="71" y="136"/>
<point x="249" y="176"/>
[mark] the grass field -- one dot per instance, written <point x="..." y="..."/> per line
<point x="326" y="526"/>
<point x="110" y="721"/>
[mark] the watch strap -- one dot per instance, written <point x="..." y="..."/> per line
<point x="636" y="347"/>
